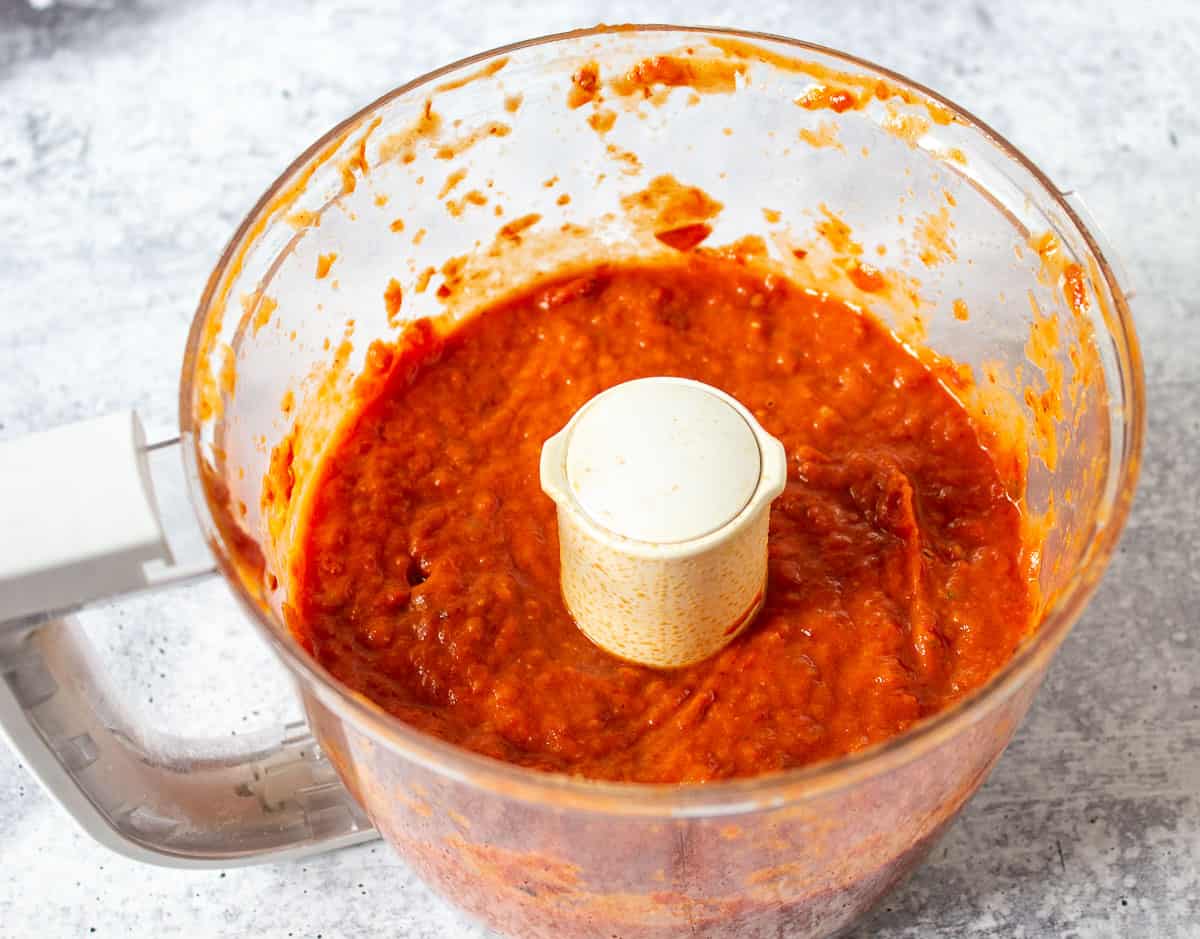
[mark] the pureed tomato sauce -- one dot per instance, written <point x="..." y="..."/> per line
<point x="428" y="574"/>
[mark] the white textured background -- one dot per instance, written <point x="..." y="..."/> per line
<point x="133" y="136"/>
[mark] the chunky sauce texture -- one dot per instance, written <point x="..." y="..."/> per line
<point x="427" y="575"/>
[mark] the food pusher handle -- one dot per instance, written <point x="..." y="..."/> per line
<point x="81" y="523"/>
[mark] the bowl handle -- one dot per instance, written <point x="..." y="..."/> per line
<point x="70" y="540"/>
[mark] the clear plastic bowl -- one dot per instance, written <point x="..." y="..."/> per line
<point x="799" y="853"/>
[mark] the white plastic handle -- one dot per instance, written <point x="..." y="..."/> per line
<point x="79" y="518"/>
<point x="80" y="522"/>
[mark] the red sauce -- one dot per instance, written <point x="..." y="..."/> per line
<point x="427" y="576"/>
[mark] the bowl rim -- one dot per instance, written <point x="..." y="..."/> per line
<point x="728" y="797"/>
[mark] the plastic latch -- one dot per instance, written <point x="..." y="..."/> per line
<point x="78" y="519"/>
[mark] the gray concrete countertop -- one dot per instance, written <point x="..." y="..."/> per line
<point x="133" y="137"/>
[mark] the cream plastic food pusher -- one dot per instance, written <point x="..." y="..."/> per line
<point x="663" y="488"/>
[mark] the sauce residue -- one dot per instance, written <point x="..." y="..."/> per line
<point x="456" y="207"/>
<point x="263" y="313"/>
<point x="455" y="148"/>
<point x="907" y="127"/>
<point x="393" y="296"/>
<point x="632" y="165"/>
<point x="686" y="237"/>
<point x="585" y="85"/>
<point x="325" y="263"/>
<point x="602" y="120"/>
<point x="403" y="144"/>
<point x="707" y="76"/>
<point x="666" y="203"/>
<point x="485" y="71"/>
<point x="836" y="90"/>
<point x="423" y="279"/>
<point x="451" y="181"/>
<point x="513" y="230"/>
<point x="935" y="245"/>
<point x="826" y="135"/>
<point x="355" y="165"/>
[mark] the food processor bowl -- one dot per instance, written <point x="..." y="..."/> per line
<point x="560" y="152"/>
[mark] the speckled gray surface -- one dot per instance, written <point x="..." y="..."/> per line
<point x="133" y="137"/>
